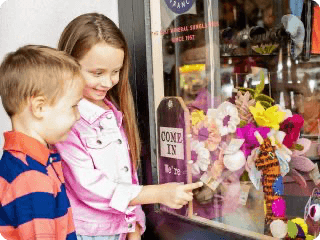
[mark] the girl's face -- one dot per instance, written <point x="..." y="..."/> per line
<point x="101" y="69"/>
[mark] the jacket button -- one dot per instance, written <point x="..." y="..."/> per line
<point x="109" y="116"/>
<point x="130" y="225"/>
<point x="126" y="169"/>
<point x="99" y="142"/>
<point x="119" y="141"/>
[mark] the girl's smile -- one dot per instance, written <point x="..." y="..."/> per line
<point x="101" y="92"/>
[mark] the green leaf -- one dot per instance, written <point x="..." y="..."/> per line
<point x="265" y="104"/>
<point x="257" y="49"/>
<point x="268" y="48"/>
<point x="243" y="90"/>
<point x="273" y="47"/>
<point x="263" y="97"/>
<point x="298" y="147"/>
<point x="264" y="49"/>
<point x="243" y="123"/>
<point x="260" y="86"/>
<point x="292" y="229"/>
<point x="244" y="177"/>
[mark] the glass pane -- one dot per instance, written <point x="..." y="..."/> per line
<point x="241" y="66"/>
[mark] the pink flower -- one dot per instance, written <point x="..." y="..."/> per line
<point x="208" y="132"/>
<point x="291" y="126"/>
<point x="247" y="133"/>
<point x="301" y="163"/>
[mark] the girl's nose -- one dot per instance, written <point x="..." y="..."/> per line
<point x="106" y="82"/>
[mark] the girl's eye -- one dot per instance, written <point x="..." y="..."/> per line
<point x="116" y="72"/>
<point x="96" y="74"/>
<point x="76" y="105"/>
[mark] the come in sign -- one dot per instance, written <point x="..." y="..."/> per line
<point x="174" y="145"/>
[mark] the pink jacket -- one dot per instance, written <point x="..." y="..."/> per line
<point x="98" y="172"/>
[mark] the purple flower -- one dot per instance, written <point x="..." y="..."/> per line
<point x="247" y="133"/>
<point x="203" y="134"/>
<point x="194" y="155"/>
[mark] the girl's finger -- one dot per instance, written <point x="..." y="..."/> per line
<point x="186" y="197"/>
<point x="181" y="203"/>
<point x="185" y="202"/>
<point x="191" y="186"/>
<point x="177" y="206"/>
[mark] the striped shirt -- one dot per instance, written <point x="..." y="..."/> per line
<point x="33" y="200"/>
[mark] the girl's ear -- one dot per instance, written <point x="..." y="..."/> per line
<point x="37" y="106"/>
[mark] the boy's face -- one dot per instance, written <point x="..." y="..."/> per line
<point x="60" y="117"/>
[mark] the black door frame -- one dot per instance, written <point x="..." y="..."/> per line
<point x="134" y="22"/>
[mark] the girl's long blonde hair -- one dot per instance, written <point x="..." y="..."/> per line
<point x="78" y="38"/>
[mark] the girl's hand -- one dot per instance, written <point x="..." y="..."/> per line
<point x="175" y="195"/>
<point x="134" y="235"/>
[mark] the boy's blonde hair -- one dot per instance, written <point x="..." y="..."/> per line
<point x="84" y="32"/>
<point x="32" y="71"/>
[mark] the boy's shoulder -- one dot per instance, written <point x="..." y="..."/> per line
<point x="11" y="167"/>
<point x="15" y="164"/>
<point x="22" y="154"/>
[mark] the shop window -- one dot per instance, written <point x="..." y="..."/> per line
<point x="224" y="70"/>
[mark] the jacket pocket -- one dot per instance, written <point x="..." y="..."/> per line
<point x="105" y="139"/>
<point x="104" y="153"/>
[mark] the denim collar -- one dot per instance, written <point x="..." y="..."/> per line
<point x="91" y="112"/>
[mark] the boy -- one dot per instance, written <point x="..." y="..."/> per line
<point x="40" y="88"/>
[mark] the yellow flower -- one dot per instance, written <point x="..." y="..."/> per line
<point x="197" y="116"/>
<point x="302" y="224"/>
<point x="192" y="68"/>
<point x="309" y="237"/>
<point x="269" y="117"/>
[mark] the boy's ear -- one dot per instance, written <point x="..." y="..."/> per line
<point x="37" y="106"/>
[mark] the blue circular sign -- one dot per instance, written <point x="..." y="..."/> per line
<point x="179" y="6"/>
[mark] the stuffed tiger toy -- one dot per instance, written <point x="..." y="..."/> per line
<point x="268" y="162"/>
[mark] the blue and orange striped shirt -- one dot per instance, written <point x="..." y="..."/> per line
<point x="33" y="200"/>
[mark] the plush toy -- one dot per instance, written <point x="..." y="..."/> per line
<point x="312" y="212"/>
<point x="272" y="183"/>
<point x="303" y="164"/>
<point x="312" y="208"/>
<point x="298" y="229"/>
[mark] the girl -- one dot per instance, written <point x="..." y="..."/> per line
<point x="102" y="150"/>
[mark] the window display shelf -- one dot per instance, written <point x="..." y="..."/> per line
<point x="239" y="102"/>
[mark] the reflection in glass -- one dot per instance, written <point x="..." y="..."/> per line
<point x="252" y="39"/>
